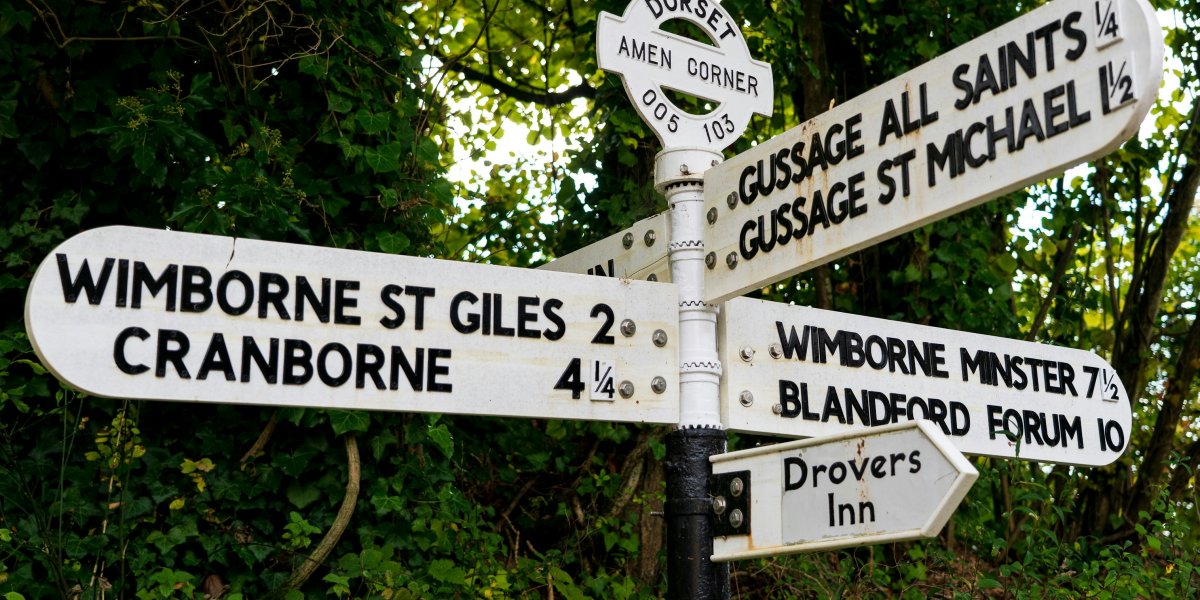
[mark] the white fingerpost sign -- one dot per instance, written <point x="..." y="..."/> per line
<point x="651" y="61"/>
<point x="639" y="252"/>
<point x="804" y="372"/>
<point x="895" y="483"/>
<point x="1062" y="84"/>
<point x="140" y="313"/>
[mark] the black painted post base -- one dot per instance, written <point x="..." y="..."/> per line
<point x="690" y="573"/>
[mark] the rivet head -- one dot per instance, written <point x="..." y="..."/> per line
<point x="735" y="518"/>
<point x="719" y="504"/>
<point x="659" y="338"/>
<point x="747" y="353"/>
<point x="736" y="487"/>
<point x="652" y="277"/>
<point x="627" y="240"/>
<point x="732" y="200"/>
<point x="649" y="237"/>
<point x="710" y="260"/>
<point x="628" y="327"/>
<point x="731" y="260"/>
<point x="626" y="389"/>
<point x="746" y="398"/>
<point x="658" y="384"/>
<point x="712" y="215"/>
<point x="777" y="408"/>
<point x="775" y="350"/>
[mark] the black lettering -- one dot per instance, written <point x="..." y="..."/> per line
<point x="789" y="398"/>
<point x="959" y="82"/>
<point x="412" y="371"/>
<point x="1075" y="34"/>
<point x="94" y="288"/>
<point x="471" y="325"/>
<point x="420" y="293"/>
<point x="297" y="354"/>
<point x="368" y="363"/>
<point x="196" y="281"/>
<point x="320" y="304"/>
<point x="119" y="350"/>
<point x="216" y="357"/>
<point x="223" y="292"/>
<point x="801" y="470"/>
<point x="560" y="326"/>
<point x="388" y="295"/>
<point x="173" y="355"/>
<point x="272" y="290"/>
<point x="436" y="368"/>
<point x="343" y="302"/>
<point x="143" y="279"/>
<point x="343" y="353"/>
<point x="525" y="316"/>
<point x="266" y="364"/>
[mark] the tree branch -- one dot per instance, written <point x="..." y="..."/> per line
<point x="517" y="92"/>
<point x="1144" y="299"/>
<point x="1166" y="425"/>
<point x="340" y="522"/>
<point x="1065" y="256"/>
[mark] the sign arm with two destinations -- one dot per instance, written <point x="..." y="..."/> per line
<point x="137" y="313"/>
<point x="1058" y="86"/>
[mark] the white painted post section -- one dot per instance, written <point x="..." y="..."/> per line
<point x="679" y="176"/>
<point x="691" y="573"/>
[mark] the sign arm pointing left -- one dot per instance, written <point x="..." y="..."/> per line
<point x="139" y="313"/>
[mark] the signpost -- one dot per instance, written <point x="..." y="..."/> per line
<point x="1062" y="84"/>
<point x="895" y="483"/>
<point x="798" y="371"/>
<point x="139" y="313"/>
<point x="639" y="252"/>
<point x="652" y="64"/>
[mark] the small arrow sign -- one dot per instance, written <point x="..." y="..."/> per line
<point x="639" y="252"/>
<point x="1062" y="84"/>
<point x="138" y="313"/>
<point x="891" y="484"/>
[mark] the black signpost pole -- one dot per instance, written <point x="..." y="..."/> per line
<point x="691" y="574"/>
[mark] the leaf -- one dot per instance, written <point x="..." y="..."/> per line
<point x="372" y="123"/>
<point x="8" y="125"/>
<point x="344" y="421"/>
<point x="988" y="584"/>
<point x="301" y="495"/>
<point x="38" y="369"/>
<point x="392" y="242"/>
<point x="387" y="504"/>
<point x="445" y="571"/>
<point x="312" y="65"/>
<point x="339" y="103"/>
<point x="143" y="158"/>
<point x="427" y="151"/>
<point x="385" y="158"/>
<point x="443" y="439"/>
